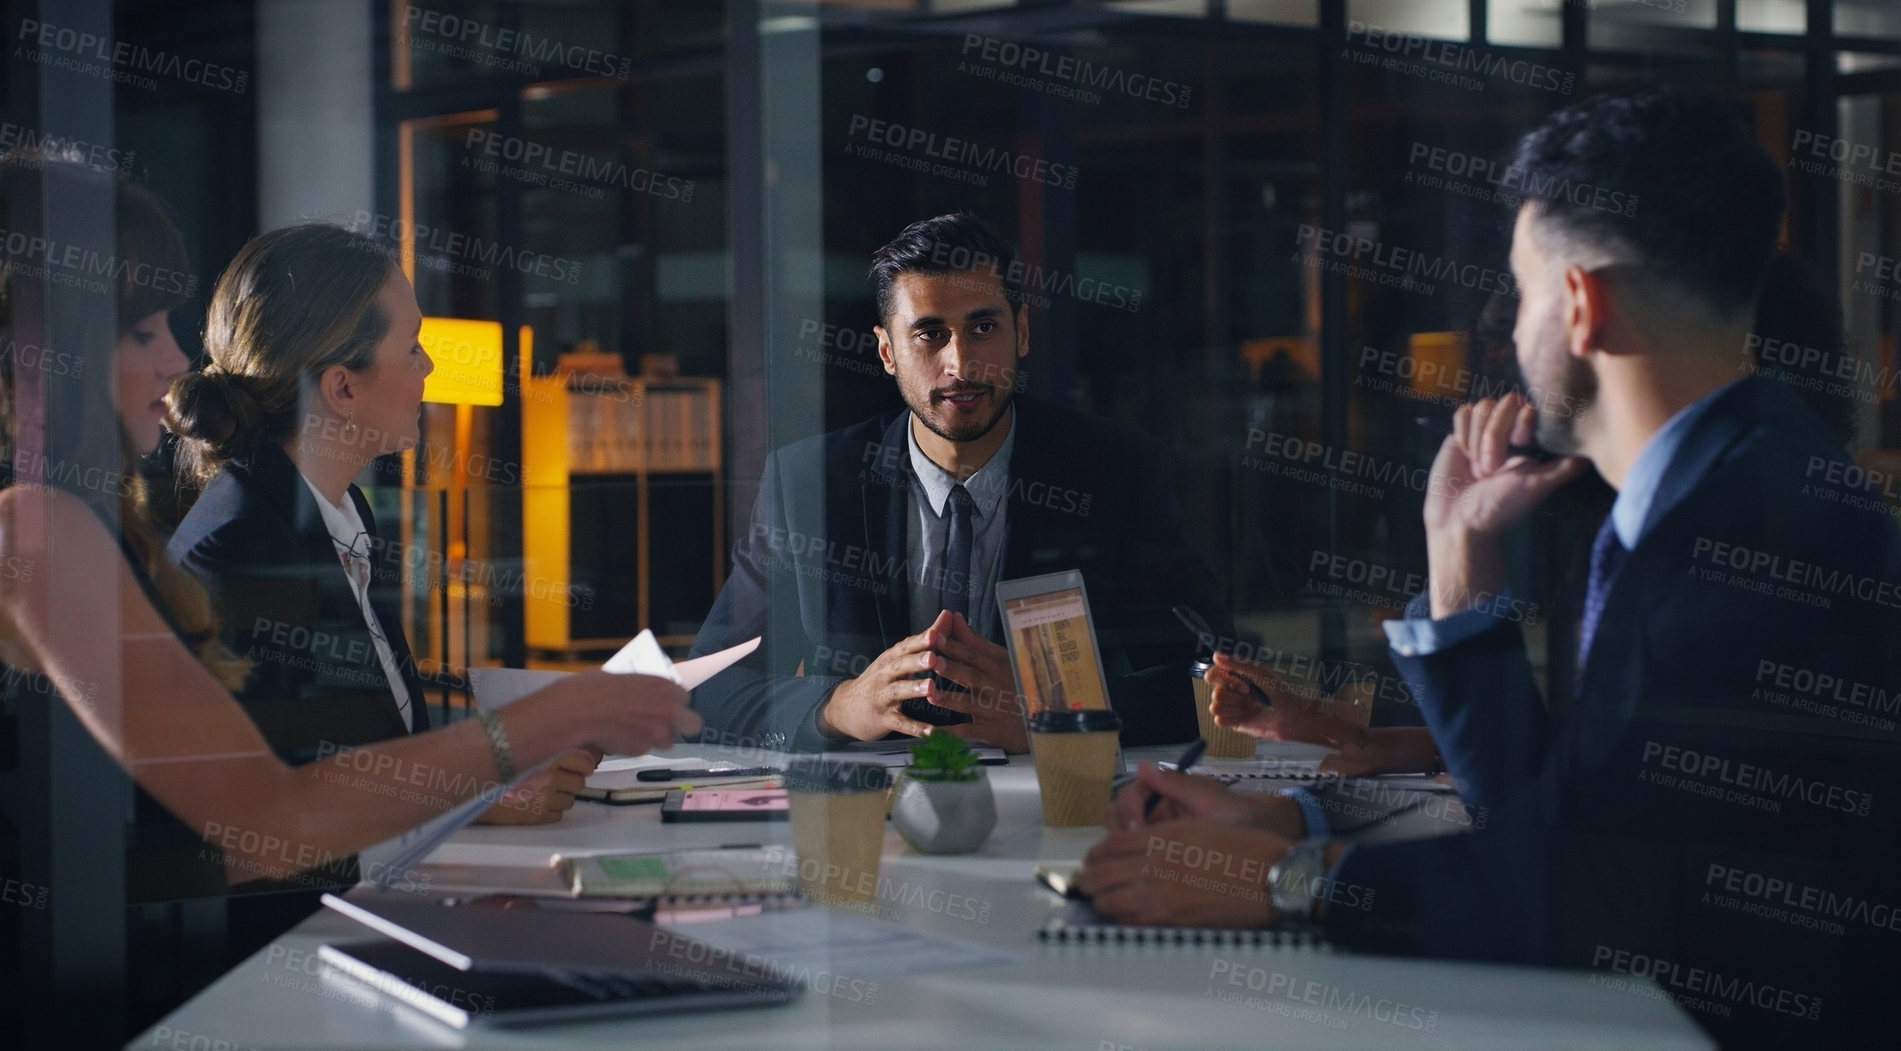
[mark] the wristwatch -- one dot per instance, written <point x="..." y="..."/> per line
<point x="1295" y="880"/>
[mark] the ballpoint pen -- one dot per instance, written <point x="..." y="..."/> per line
<point x="1181" y="766"/>
<point x="1198" y="624"/>
<point x="669" y="774"/>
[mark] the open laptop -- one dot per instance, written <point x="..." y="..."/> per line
<point x="470" y="965"/>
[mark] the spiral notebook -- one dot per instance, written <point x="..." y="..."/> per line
<point x="1095" y="931"/>
<point x="1081" y="925"/>
<point x="1395" y="782"/>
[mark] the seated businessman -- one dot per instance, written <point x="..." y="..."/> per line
<point x="873" y="557"/>
<point x="1712" y="803"/>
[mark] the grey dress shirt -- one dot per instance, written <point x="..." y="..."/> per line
<point x="928" y="530"/>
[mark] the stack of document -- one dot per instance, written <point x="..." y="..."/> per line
<point x="618" y="780"/>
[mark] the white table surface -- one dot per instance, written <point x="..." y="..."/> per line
<point x="1052" y="997"/>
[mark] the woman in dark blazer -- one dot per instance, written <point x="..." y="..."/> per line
<point x="315" y="372"/>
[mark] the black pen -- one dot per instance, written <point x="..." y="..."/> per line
<point x="1198" y="625"/>
<point x="665" y="774"/>
<point x="1181" y="767"/>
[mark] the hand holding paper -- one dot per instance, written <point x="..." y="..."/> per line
<point x="389" y="861"/>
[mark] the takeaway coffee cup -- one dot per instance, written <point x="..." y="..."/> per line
<point x="1222" y="744"/>
<point x="838" y="815"/>
<point x="1075" y="750"/>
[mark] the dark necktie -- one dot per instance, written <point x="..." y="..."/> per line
<point x="955" y="585"/>
<point x="1607" y="553"/>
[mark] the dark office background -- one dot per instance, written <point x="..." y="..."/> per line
<point x="1293" y="123"/>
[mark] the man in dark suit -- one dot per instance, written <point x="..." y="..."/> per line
<point x="875" y="551"/>
<point x="1712" y="805"/>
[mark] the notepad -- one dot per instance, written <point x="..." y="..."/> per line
<point x="1082" y="925"/>
<point x="745" y="871"/>
<point x="624" y="787"/>
<point x="1388" y="782"/>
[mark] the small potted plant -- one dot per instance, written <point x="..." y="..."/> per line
<point x="944" y="804"/>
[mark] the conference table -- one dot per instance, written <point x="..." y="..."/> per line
<point x="1023" y="994"/>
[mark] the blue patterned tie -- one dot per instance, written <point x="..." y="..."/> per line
<point x="1607" y="553"/>
<point x="954" y="586"/>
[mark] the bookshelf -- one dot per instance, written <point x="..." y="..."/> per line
<point x="623" y="517"/>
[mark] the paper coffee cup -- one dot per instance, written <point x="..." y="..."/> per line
<point x="838" y="816"/>
<point x="1075" y="752"/>
<point x="1351" y="687"/>
<point x="1222" y="744"/>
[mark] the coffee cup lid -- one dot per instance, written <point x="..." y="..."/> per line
<point x="1199" y="669"/>
<point x="826" y="775"/>
<point x="1075" y="720"/>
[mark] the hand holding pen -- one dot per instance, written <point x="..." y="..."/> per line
<point x="1158" y="795"/>
<point x="1181" y="767"/>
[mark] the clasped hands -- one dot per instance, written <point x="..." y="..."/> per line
<point x="866" y="708"/>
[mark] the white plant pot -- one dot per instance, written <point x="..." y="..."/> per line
<point x="945" y="817"/>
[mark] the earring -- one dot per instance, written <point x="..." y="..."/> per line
<point x="350" y="431"/>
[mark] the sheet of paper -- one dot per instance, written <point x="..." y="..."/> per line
<point x="1415" y="783"/>
<point x="849" y="946"/>
<point x="652" y="761"/>
<point x="394" y="861"/>
<point x="642" y="656"/>
<point x="1267" y="766"/>
<point x="495" y="687"/>
<point x="534" y="880"/>
<point x="505" y="855"/>
<point x="697" y="670"/>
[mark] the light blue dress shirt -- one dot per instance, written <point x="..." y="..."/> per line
<point x="1631" y="515"/>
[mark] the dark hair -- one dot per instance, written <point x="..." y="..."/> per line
<point x="153" y="267"/>
<point x="1800" y="339"/>
<point x="72" y="411"/>
<point x="1671" y="177"/>
<point x="293" y="303"/>
<point x="157" y="275"/>
<point x="951" y="243"/>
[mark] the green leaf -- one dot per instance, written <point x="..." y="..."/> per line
<point x="943" y="756"/>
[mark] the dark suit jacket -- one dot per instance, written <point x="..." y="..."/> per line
<point x="820" y="573"/>
<point x="1696" y="745"/>
<point x="258" y="542"/>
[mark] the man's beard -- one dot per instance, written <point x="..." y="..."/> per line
<point x="1561" y="404"/>
<point x="972" y="432"/>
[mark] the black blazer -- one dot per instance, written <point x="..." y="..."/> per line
<point x="1698" y="743"/>
<point x="258" y="542"/>
<point x="820" y="573"/>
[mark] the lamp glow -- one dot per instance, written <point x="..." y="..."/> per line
<point x="468" y="360"/>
